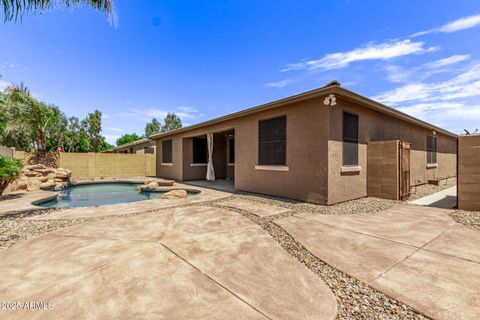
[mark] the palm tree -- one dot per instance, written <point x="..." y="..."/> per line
<point x="32" y="114"/>
<point x="15" y="9"/>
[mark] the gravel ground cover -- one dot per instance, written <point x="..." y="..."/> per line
<point x="428" y="189"/>
<point x="356" y="300"/>
<point x="363" y="205"/>
<point x="470" y="219"/>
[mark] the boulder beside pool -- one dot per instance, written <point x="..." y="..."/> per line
<point x="154" y="185"/>
<point x="175" y="194"/>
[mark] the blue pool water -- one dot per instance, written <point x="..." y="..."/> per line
<point x="92" y="195"/>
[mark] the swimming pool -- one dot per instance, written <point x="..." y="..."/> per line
<point x="101" y="194"/>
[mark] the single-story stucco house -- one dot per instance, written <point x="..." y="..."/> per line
<point x="142" y="146"/>
<point x="326" y="146"/>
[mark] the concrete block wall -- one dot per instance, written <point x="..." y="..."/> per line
<point x="468" y="179"/>
<point x="96" y="165"/>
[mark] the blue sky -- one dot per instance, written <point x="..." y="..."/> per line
<point x="203" y="59"/>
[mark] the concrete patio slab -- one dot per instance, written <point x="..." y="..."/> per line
<point x="417" y="255"/>
<point x="258" y="208"/>
<point x="358" y="254"/>
<point x="446" y="199"/>
<point x="440" y="286"/>
<point x="123" y="289"/>
<point x="180" y="263"/>
<point x="458" y="242"/>
<point x="412" y="226"/>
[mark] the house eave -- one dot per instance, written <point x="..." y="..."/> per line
<point x="323" y="91"/>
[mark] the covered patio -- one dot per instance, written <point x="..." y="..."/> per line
<point x="218" y="184"/>
<point x="209" y="160"/>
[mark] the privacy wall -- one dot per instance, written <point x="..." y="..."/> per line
<point x="469" y="173"/>
<point x="97" y="165"/>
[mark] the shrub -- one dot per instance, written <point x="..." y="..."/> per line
<point x="10" y="169"/>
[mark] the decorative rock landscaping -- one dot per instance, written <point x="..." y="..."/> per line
<point x="156" y="184"/>
<point x="39" y="177"/>
<point x="470" y="219"/>
<point x="175" y="194"/>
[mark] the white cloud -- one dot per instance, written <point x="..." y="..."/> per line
<point x="449" y="115"/>
<point x="453" y="26"/>
<point x="419" y="110"/>
<point x="111" y="138"/>
<point x="113" y="129"/>
<point x="463" y="85"/>
<point x="280" y="84"/>
<point x="446" y="61"/>
<point x="373" y="51"/>
<point x="402" y="75"/>
<point x="146" y="114"/>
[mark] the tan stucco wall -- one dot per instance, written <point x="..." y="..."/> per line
<point x="375" y="126"/>
<point x="314" y="152"/>
<point x="307" y="124"/>
<point x="469" y="173"/>
<point x="173" y="171"/>
<point x="96" y="165"/>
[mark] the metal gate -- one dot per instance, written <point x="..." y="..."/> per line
<point x="404" y="170"/>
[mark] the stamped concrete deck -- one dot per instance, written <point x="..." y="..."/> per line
<point x="417" y="255"/>
<point x="22" y="202"/>
<point x="179" y="263"/>
<point x="258" y="208"/>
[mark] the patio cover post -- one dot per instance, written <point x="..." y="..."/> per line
<point x="210" y="171"/>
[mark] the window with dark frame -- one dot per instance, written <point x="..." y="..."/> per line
<point x="431" y="149"/>
<point x="167" y="151"/>
<point x="272" y="141"/>
<point x="350" y="139"/>
<point x="200" y="150"/>
<point x="231" y="151"/>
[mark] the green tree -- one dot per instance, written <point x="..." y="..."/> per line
<point x="3" y="121"/>
<point x="171" y="122"/>
<point x="9" y="170"/>
<point x="33" y="116"/>
<point x="14" y="9"/>
<point x="57" y="133"/>
<point x="3" y="115"/>
<point x="105" y="145"/>
<point x="92" y="126"/>
<point x="153" y="127"/>
<point x="127" y="138"/>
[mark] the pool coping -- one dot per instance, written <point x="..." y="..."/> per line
<point x="25" y="205"/>
<point x="163" y="189"/>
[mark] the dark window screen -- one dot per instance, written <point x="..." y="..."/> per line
<point x="350" y="139"/>
<point x="167" y="151"/>
<point x="272" y="141"/>
<point x="231" y="151"/>
<point x="200" y="150"/>
<point x="431" y="149"/>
